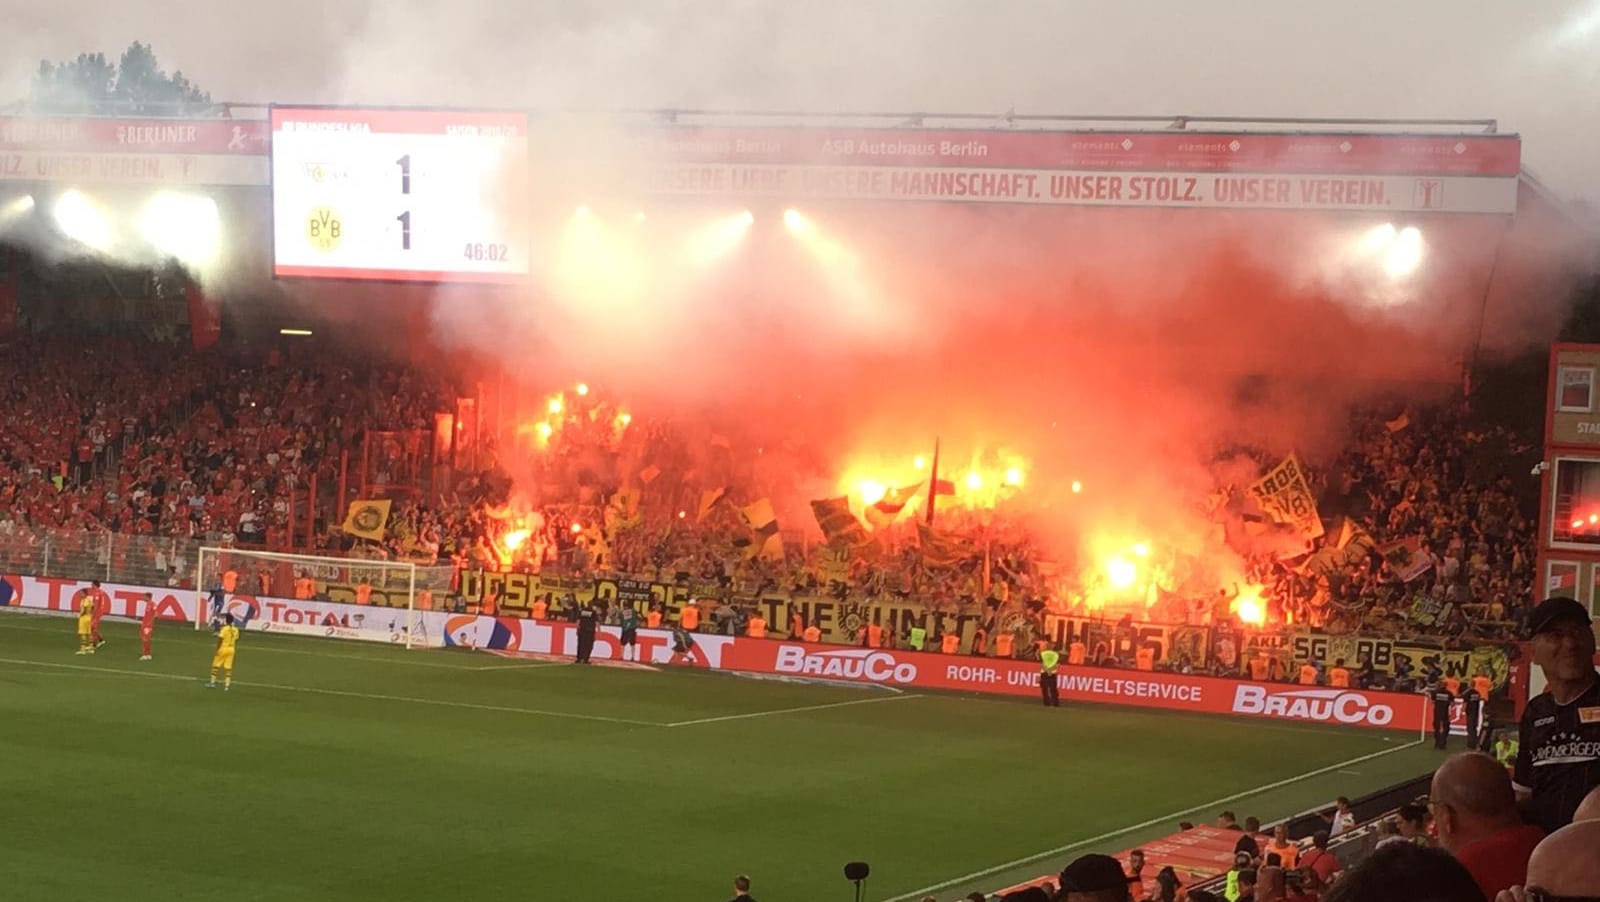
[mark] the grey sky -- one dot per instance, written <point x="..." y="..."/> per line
<point x="1533" y="64"/>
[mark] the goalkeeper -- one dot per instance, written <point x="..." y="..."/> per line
<point x="217" y="600"/>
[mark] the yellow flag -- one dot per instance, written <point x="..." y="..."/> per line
<point x="839" y="525"/>
<point x="1285" y="498"/>
<point x="708" y="500"/>
<point x="367" y="518"/>
<point x="759" y="515"/>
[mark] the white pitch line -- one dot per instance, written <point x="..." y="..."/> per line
<point x="571" y="715"/>
<point x="106" y="670"/>
<point x="36" y="670"/>
<point x="376" y="659"/>
<point x="1165" y="818"/>
<point x="445" y="703"/>
<point x="533" y="666"/>
<point x="859" y="701"/>
<point x="256" y="646"/>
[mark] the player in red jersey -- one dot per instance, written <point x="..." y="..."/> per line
<point x="102" y="607"/>
<point x="147" y="626"/>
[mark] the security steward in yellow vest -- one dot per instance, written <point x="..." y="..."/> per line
<point x="1049" y="662"/>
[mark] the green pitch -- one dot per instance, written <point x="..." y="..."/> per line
<point x="342" y="771"/>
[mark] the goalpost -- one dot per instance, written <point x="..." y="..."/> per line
<point x="349" y="598"/>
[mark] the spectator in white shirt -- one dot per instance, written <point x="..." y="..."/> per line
<point x="1343" y="818"/>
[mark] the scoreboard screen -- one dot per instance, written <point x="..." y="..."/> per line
<point x="399" y="195"/>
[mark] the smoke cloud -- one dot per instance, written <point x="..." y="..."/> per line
<point x="1536" y="74"/>
<point x="1123" y="351"/>
<point x="1120" y="350"/>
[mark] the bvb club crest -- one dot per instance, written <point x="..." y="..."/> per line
<point x="324" y="229"/>
<point x="853" y="620"/>
<point x="1342" y="647"/>
<point x="1021" y="626"/>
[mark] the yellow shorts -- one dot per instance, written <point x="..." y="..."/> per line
<point x="223" y="659"/>
<point x="85" y="626"/>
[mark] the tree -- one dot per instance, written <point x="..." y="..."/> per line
<point x="137" y="85"/>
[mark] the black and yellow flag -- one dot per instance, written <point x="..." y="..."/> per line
<point x="367" y="518"/>
<point x="942" y="549"/>
<point x="839" y="525"/>
<point x="708" y="500"/>
<point x="763" y="522"/>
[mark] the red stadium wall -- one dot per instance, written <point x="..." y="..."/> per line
<point x="1142" y="689"/>
<point x="1569" y="510"/>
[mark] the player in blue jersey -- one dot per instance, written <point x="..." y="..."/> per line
<point x="217" y="600"/>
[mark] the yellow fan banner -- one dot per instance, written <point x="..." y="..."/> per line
<point x="367" y="518"/>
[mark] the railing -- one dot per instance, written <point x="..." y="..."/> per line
<point x="164" y="561"/>
<point x="103" y="555"/>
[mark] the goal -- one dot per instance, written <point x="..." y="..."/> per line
<point x="340" y="598"/>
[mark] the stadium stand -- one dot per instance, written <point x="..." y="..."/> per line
<point x="127" y="455"/>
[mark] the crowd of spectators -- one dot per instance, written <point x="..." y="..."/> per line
<point x="1465" y="842"/>
<point x="1521" y="827"/>
<point x="1443" y="530"/>
<point x="111" y="440"/>
<point x="1429" y="534"/>
<point x="113" y="436"/>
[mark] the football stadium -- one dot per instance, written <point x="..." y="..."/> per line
<point x="416" y="502"/>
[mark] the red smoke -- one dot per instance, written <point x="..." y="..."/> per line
<point x="1118" y="349"/>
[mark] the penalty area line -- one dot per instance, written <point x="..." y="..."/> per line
<point x="444" y="703"/>
<point x="101" y="670"/>
<point x="382" y="659"/>
<point x="383" y="654"/>
<point x="1165" y="818"/>
<point x="41" y="671"/>
<point x="753" y="714"/>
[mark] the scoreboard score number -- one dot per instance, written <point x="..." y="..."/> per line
<point x="399" y="195"/>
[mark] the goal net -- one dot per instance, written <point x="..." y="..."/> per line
<point x="341" y="598"/>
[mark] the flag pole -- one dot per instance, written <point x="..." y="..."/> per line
<point x="933" y="483"/>
<point x="988" y="560"/>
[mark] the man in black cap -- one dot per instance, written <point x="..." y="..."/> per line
<point x="1094" y="878"/>
<point x="1558" y="759"/>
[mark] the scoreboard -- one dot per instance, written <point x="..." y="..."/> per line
<point x="399" y="195"/>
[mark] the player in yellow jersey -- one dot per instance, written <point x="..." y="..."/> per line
<point x="227" y="638"/>
<point x="86" y="606"/>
